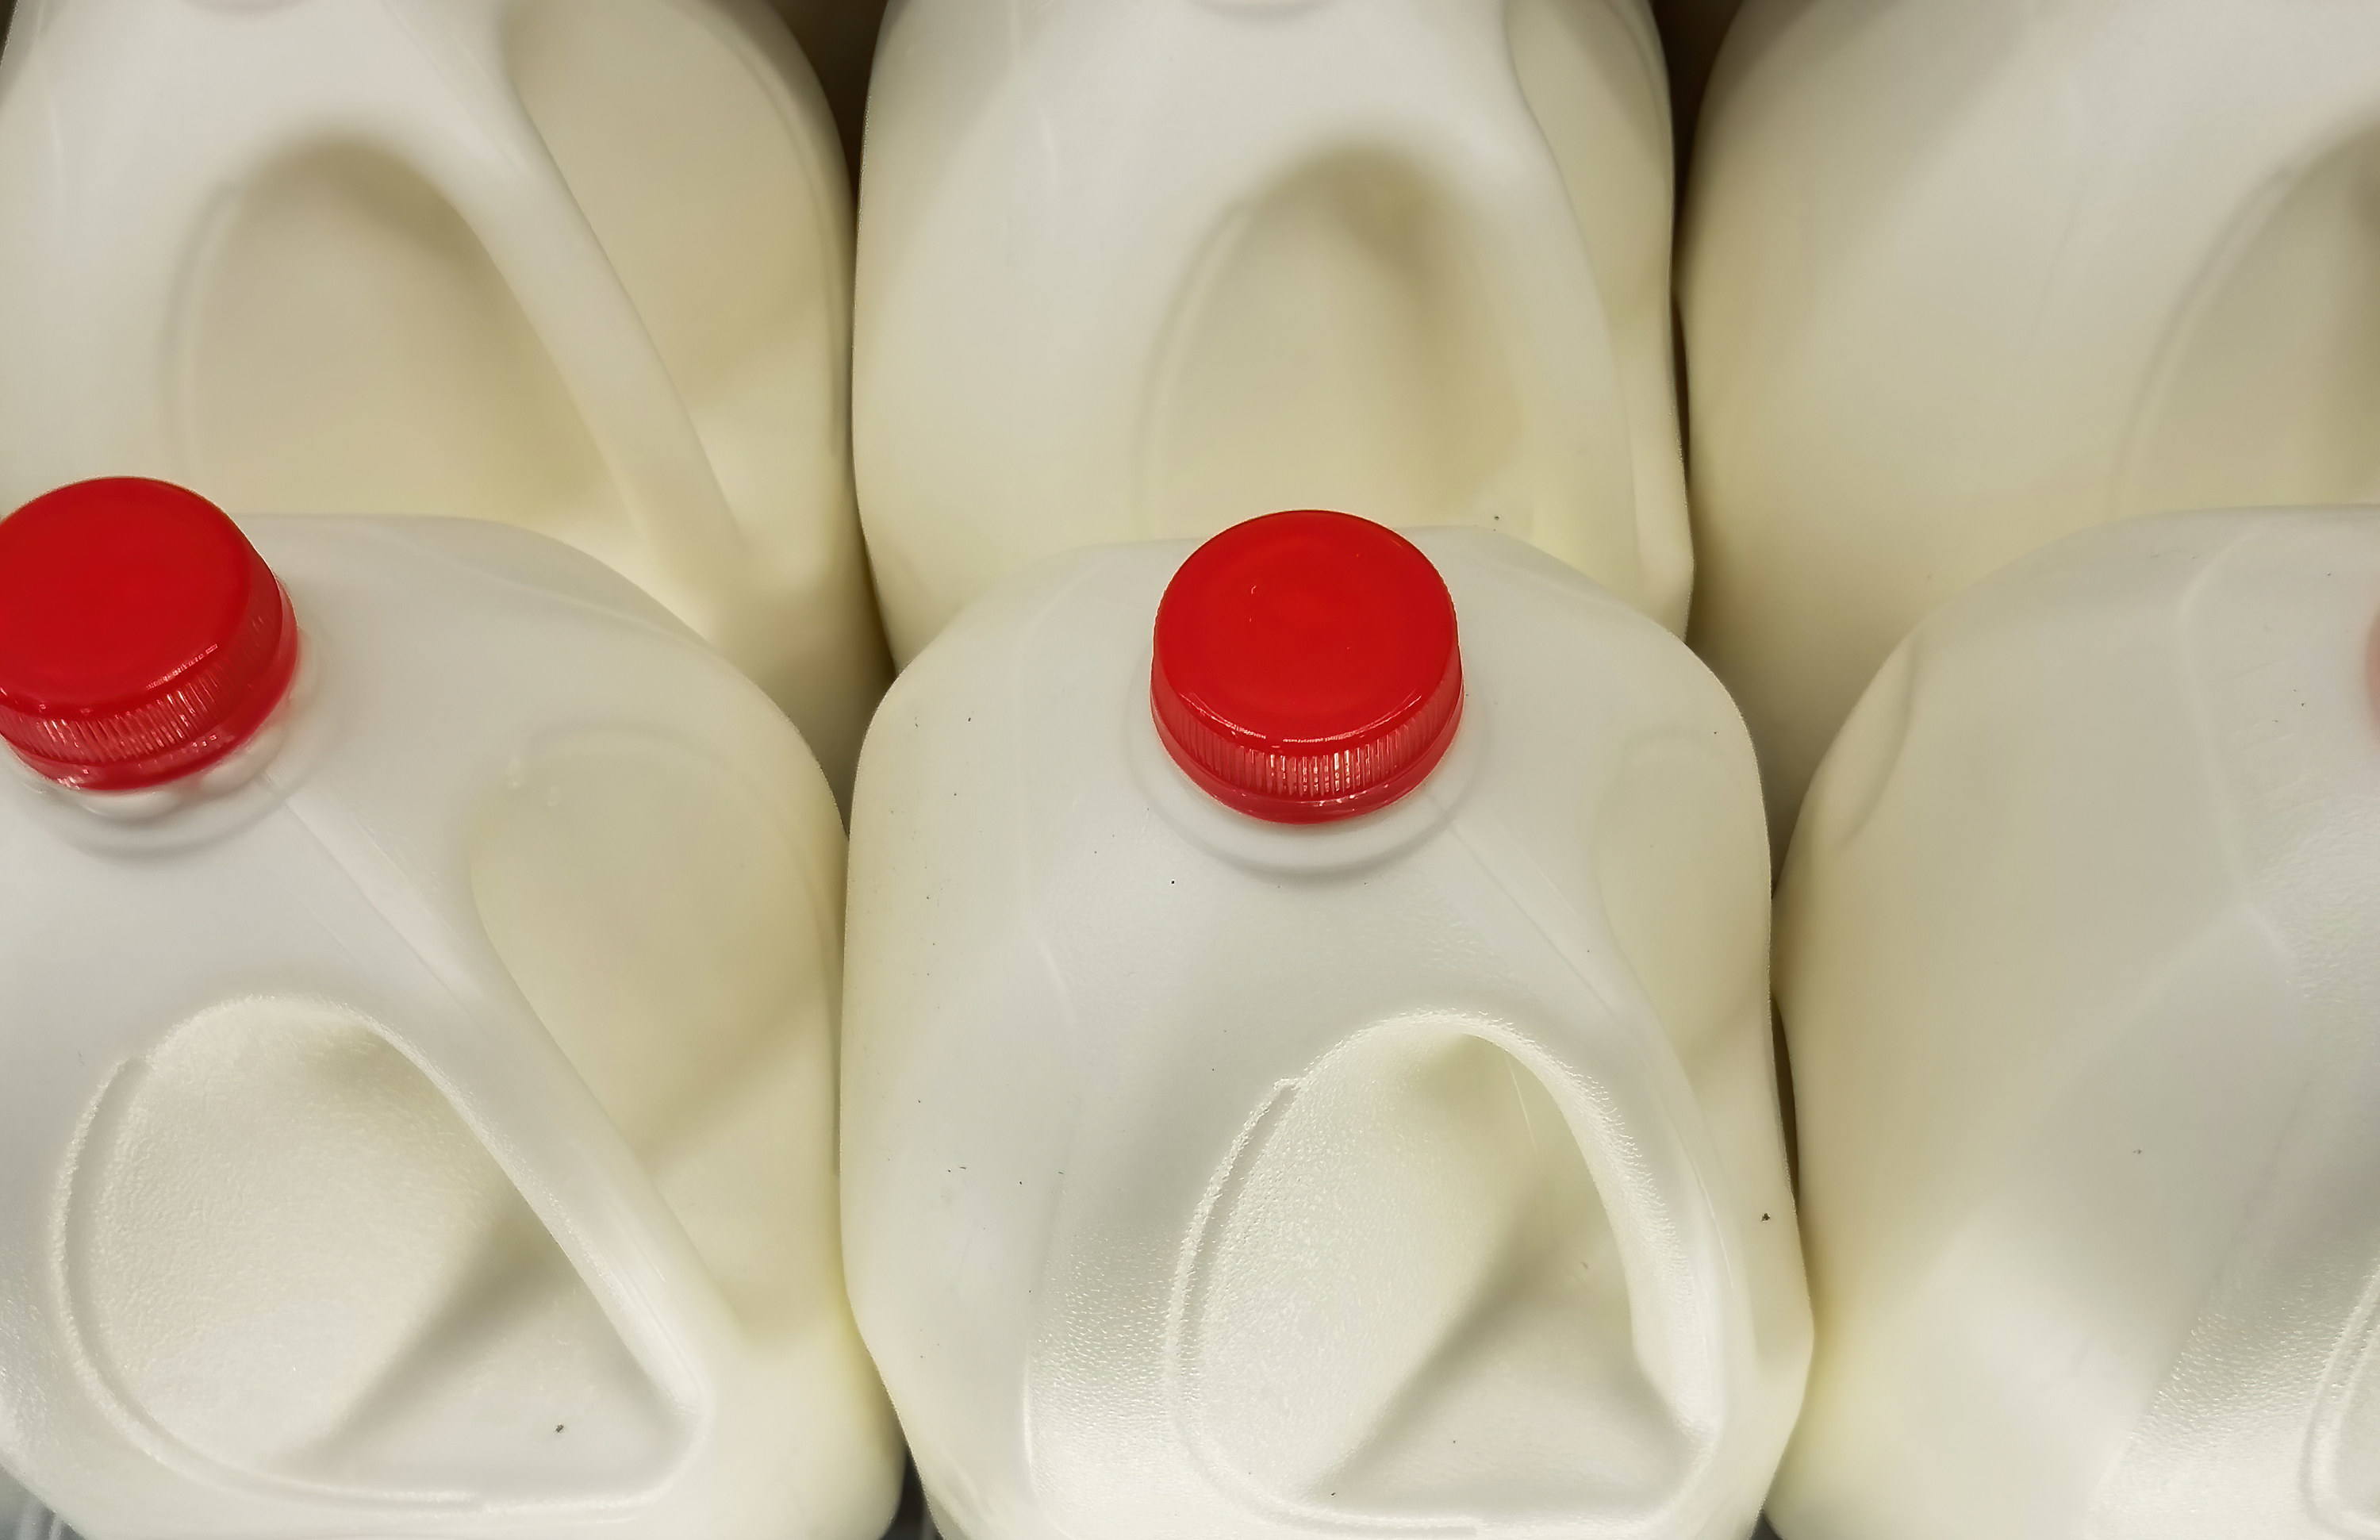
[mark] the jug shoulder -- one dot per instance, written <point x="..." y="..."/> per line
<point x="1014" y="778"/>
<point x="439" y="657"/>
<point x="502" y="552"/>
<point x="1044" y="680"/>
<point x="2188" y="684"/>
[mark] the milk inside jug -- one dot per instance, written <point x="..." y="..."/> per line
<point x="1962" y="277"/>
<point x="2075" y="957"/>
<point x="577" y="265"/>
<point x="416" y="1089"/>
<point x="1304" y="1075"/>
<point x="1131" y="268"/>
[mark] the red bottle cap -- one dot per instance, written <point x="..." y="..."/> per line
<point x="1306" y="667"/>
<point x="141" y="636"/>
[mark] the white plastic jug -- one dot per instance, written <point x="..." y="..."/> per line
<point x="1400" y="1155"/>
<point x="417" y="1087"/>
<point x="2075" y="956"/>
<point x="1962" y="277"/>
<point x="1131" y="268"/>
<point x="579" y="265"/>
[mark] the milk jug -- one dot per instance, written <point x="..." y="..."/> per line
<point x="2075" y="956"/>
<point x="416" y="1089"/>
<point x="1132" y="268"/>
<point x="1308" y="1072"/>
<point x="1962" y="277"/>
<point x="579" y="265"/>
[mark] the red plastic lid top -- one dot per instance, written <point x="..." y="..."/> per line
<point x="1306" y="667"/>
<point x="141" y="636"/>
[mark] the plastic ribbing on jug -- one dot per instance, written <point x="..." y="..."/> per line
<point x="1306" y="667"/>
<point x="141" y="636"/>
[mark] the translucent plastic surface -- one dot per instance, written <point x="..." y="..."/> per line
<point x="1208" y="1176"/>
<point x="2075" y="956"/>
<point x="1963" y="277"/>
<point x="422" y="1125"/>
<point x="579" y="265"/>
<point x="1144" y="268"/>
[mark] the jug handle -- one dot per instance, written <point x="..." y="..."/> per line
<point x="453" y="1011"/>
<point x="491" y="164"/>
<point x="1604" y="1056"/>
<point x="1511" y="196"/>
<point x="462" y="1021"/>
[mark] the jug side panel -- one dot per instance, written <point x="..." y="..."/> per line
<point x="1682" y="869"/>
<point x="1928" y="857"/>
<point x="2016" y="978"/>
<point x="1680" y="860"/>
<point x="939" y="65"/>
<point x="964" y="1073"/>
<point x="1857" y="158"/>
<point x="2279" y="651"/>
<point x="937" y="357"/>
<point x="80" y="399"/>
<point x="1593" y="77"/>
<point x="2004" y="1386"/>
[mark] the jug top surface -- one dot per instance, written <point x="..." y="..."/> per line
<point x="141" y="636"/>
